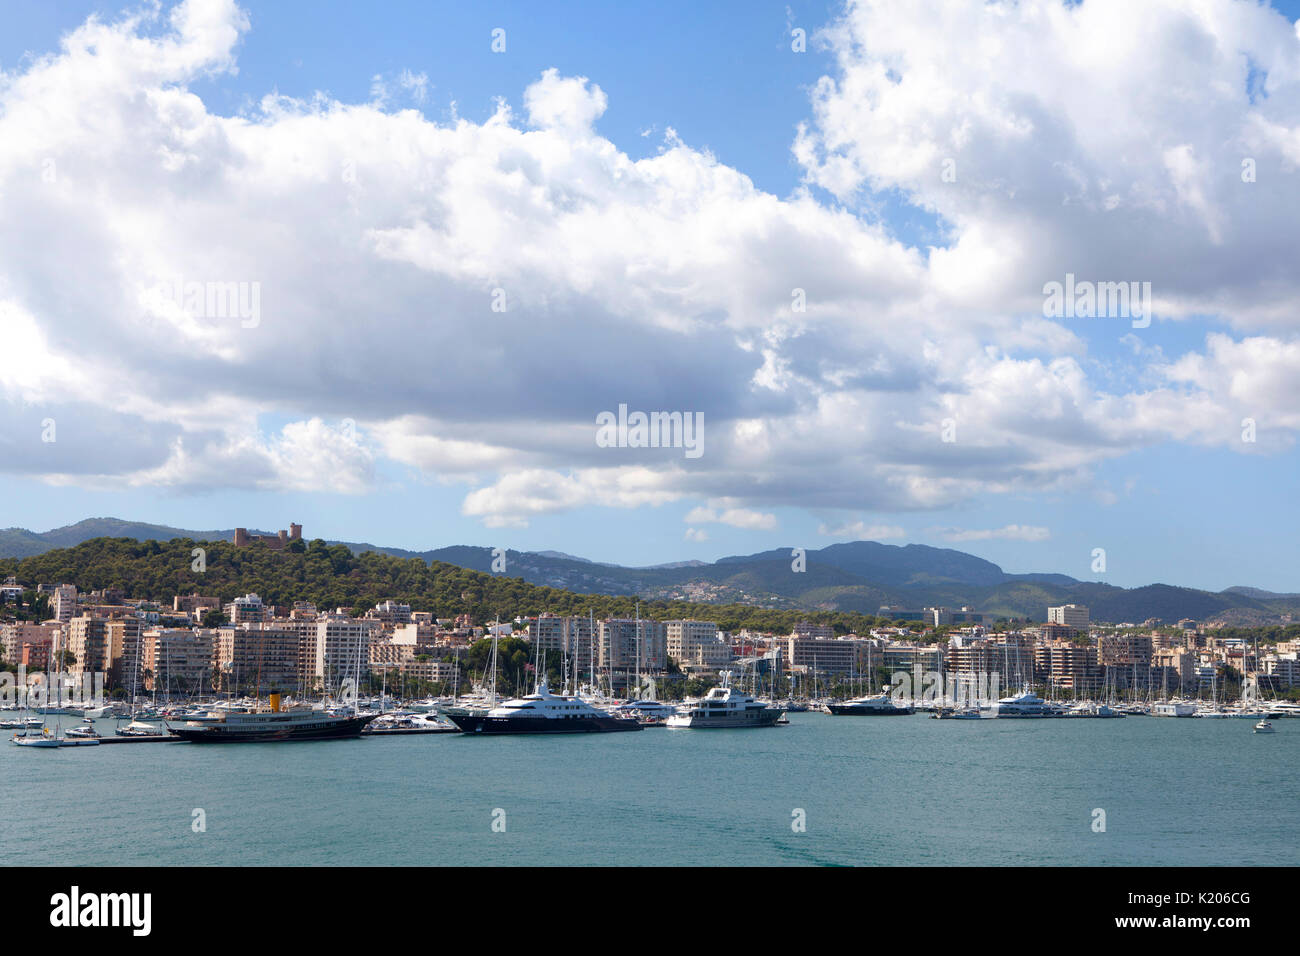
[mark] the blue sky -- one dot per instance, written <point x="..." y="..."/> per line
<point x="1145" y="476"/>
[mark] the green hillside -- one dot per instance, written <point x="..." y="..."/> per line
<point x="332" y="576"/>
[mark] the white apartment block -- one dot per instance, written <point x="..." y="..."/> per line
<point x="246" y="610"/>
<point x="342" y="649"/>
<point x="696" y="642"/>
<point x="65" y="603"/>
<point x="1069" y="615"/>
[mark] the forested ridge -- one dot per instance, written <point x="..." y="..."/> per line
<point x="331" y="576"/>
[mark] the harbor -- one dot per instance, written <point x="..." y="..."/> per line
<point x="907" y="791"/>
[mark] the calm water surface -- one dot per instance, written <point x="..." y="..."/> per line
<point x="903" y="791"/>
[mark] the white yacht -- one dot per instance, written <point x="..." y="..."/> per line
<point x="1264" y="727"/>
<point x="1173" y="708"/>
<point x="724" y="706"/>
<point x="879" y="705"/>
<point x="648" y="708"/>
<point x="1024" y="704"/>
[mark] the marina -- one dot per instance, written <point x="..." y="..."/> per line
<point x="874" y="793"/>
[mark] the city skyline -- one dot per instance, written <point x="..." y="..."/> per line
<point x="838" y="257"/>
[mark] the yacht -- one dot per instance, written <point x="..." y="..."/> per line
<point x="138" y="728"/>
<point x="724" y="706"/>
<point x="275" y="725"/>
<point x="21" y="723"/>
<point x="1173" y="708"/>
<point x="1090" y="708"/>
<point x="48" y="738"/>
<point x="1264" y="727"/>
<point x="880" y="705"/>
<point x="970" y="712"/>
<point x="1025" y="704"/>
<point x="541" y="712"/>
<point x="415" y="723"/>
<point x="648" y="708"/>
<point x="43" y="739"/>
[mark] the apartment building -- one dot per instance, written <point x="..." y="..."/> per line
<point x="64" y="603"/>
<point x="826" y="655"/>
<point x="266" y="655"/>
<point x="342" y="649"/>
<point x="1011" y="658"/>
<point x="177" y="660"/>
<point x="1068" y="666"/>
<point x="248" y="609"/>
<point x="390" y="612"/>
<point x="1125" y="650"/>
<point x="29" y="644"/>
<point x="627" y="644"/>
<point x="1069" y="615"/>
<point x="89" y="644"/>
<point x="696" y="643"/>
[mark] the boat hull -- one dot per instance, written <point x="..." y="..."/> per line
<point x="848" y="710"/>
<point x="325" y="729"/>
<point x="484" y="724"/>
<point x="752" y="719"/>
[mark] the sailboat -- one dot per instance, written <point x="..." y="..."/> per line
<point x="55" y="738"/>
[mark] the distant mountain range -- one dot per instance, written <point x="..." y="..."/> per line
<point x="856" y="576"/>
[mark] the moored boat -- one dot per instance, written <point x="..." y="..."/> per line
<point x="879" y="705"/>
<point x="724" y="707"/>
<point x="275" y="726"/>
<point x="541" y="712"/>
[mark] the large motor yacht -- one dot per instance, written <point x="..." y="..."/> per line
<point x="1024" y="704"/>
<point x="880" y="705"/>
<point x="541" y="712"/>
<point x="275" y="725"/>
<point x="725" y="706"/>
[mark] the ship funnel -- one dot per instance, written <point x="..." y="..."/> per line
<point x="275" y="703"/>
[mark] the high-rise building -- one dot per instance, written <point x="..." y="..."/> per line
<point x="1069" y="615"/>
<point x="825" y="655"/>
<point x="342" y="649"/>
<point x="65" y="602"/>
<point x="178" y="660"/>
<point x="246" y="610"/>
<point x="626" y="643"/>
<point x="554" y="634"/>
<point x="89" y="645"/>
<point x="265" y="656"/>
<point x="696" y="642"/>
<point x="1070" y="666"/>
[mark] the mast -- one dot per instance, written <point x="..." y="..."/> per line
<point x="494" y="666"/>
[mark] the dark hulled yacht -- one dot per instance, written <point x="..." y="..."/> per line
<point x="274" y="725"/>
<point x="542" y="712"/>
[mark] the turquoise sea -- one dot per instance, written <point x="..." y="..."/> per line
<point x="901" y="791"/>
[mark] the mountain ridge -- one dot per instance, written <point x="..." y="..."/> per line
<point x="860" y="576"/>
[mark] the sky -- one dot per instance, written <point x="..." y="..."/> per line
<point x="350" y="266"/>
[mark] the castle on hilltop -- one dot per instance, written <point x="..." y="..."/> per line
<point x="276" y="542"/>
